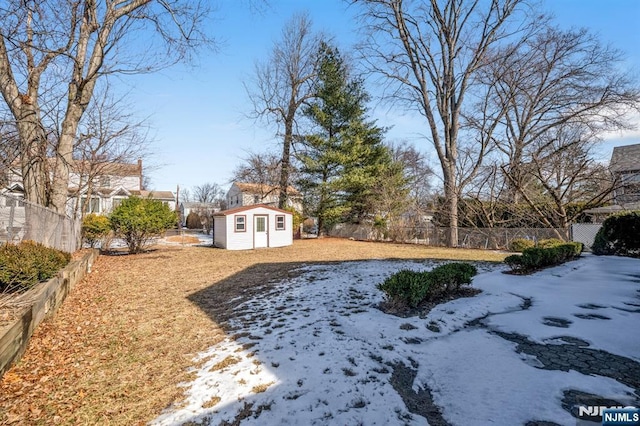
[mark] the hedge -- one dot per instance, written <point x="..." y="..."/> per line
<point x="619" y="235"/>
<point x="535" y="258"/>
<point x="411" y="288"/>
<point x="25" y="264"/>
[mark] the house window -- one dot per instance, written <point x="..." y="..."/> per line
<point x="256" y="199"/>
<point x="92" y="205"/>
<point x="14" y="202"/>
<point x="105" y="181"/>
<point x="280" y="222"/>
<point x="240" y="223"/>
<point x="116" y="202"/>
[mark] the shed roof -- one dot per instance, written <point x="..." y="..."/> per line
<point x="251" y="207"/>
<point x="625" y="158"/>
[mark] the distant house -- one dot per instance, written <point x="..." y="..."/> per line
<point x="625" y="165"/>
<point x="202" y="209"/>
<point x="248" y="194"/>
<point x="251" y="227"/>
<point x="98" y="187"/>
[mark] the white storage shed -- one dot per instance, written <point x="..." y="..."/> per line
<point x="251" y="227"/>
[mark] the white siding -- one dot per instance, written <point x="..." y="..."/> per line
<point x="234" y="197"/>
<point x="280" y="238"/>
<point x="220" y="231"/>
<point x="240" y="240"/>
<point x="227" y="237"/>
<point x="131" y="183"/>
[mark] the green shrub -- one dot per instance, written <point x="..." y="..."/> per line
<point x="539" y="257"/>
<point x="28" y="263"/>
<point x="140" y="220"/>
<point x="412" y="288"/>
<point x="450" y="276"/>
<point x="95" y="228"/>
<point x="406" y="287"/>
<point x="550" y="242"/>
<point x="619" y="235"/>
<point x="519" y="244"/>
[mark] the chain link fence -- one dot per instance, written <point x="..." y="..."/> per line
<point x="21" y="220"/>
<point x="585" y="233"/>
<point x="429" y="234"/>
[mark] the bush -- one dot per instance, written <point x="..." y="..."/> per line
<point x="412" y="288"/>
<point x="95" y="228"/>
<point x="140" y="220"/>
<point x="619" y="235"/>
<point x="519" y="244"/>
<point x="28" y="263"/>
<point x="193" y="221"/>
<point x="449" y="277"/>
<point x="407" y="287"/>
<point x="538" y="257"/>
<point x="550" y="242"/>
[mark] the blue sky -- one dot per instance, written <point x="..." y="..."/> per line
<point x="197" y="115"/>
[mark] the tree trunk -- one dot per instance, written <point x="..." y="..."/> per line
<point x="33" y="159"/>
<point x="285" y="164"/>
<point x="451" y="197"/>
<point x="64" y="158"/>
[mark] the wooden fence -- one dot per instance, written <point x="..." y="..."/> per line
<point x="46" y="297"/>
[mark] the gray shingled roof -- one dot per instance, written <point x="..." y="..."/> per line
<point x="625" y="158"/>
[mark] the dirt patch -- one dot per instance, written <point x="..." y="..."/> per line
<point x="418" y="401"/>
<point x="183" y="239"/>
<point x="405" y="311"/>
<point x="126" y="336"/>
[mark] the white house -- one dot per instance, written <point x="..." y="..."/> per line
<point x="251" y="227"/>
<point x="247" y="194"/>
<point x="97" y="187"/>
<point x="202" y="209"/>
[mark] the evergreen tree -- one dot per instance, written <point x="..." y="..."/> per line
<point x="344" y="159"/>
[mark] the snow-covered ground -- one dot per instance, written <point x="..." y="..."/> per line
<point x="318" y="351"/>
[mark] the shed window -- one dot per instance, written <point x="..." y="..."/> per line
<point x="240" y="222"/>
<point x="280" y="222"/>
<point x="261" y="224"/>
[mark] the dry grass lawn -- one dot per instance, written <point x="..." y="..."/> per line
<point x="115" y="351"/>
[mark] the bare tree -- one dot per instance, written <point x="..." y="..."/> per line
<point x="185" y="195"/>
<point x="418" y="175"/>
<point x="109" y="139"/>
<point x="567" y="179"/>
<point x="549" y="83"/>
<point x="9" y="150"/>
<point x="431" y="51"/>
<point x="208" y="193"/>
<point x="54" y="52"/>
<point x="283" y="84"/>
<point x="261" y="168"/>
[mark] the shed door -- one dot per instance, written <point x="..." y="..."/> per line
<point x="260" y="237"/>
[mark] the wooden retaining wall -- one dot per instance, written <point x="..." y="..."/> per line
<point x="47" y="297"/>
